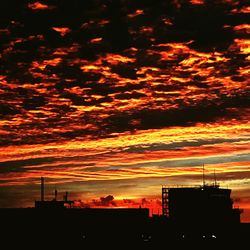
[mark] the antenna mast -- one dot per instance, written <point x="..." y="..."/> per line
<point x="203" y="174"/>
<point x="55" y="194"/>
<point x="42" y="188"/>
<point x="215" y="181"/>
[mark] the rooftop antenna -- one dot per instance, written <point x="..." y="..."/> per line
<point x="55" y="194"/>
<point x="42" y="188"/>
<point x="66" y="196"/>
<point x="215" y="182"/>
<point x="203" y="174"/>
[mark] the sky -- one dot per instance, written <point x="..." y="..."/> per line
<point x="111" y="99"/>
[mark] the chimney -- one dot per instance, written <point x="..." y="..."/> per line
<point x="42" y="188"/>
<point x="55" y="194"/>
<point x="66" y="196"/>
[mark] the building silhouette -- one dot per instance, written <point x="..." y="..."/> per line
<point x="203" y="205"/>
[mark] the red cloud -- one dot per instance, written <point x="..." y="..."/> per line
<point x="38" y="6"/>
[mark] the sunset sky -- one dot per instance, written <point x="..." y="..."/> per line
<point x="111" y="99"/>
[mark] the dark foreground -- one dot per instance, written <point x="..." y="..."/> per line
<point x="111" y="229"/>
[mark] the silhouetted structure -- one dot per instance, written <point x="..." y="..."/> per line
<point x="42" y="188"/>
<point x="198" y="213"/>
<point x="207" y="204"/>
<point x="190" y="215"/>
<point x="53" y="204"/>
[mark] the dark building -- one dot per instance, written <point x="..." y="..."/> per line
<point x="203" y="205"/>
<point x="84" y="226"/>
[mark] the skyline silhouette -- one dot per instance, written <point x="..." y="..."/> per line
<point x="193" y="216"/>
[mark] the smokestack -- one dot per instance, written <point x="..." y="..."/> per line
<point x="203" y="176"/>
<point x="66" y="196"/>
<point x="42" y="189"/>
<point x="215" y="181"/>
<point x="55" y="194"/>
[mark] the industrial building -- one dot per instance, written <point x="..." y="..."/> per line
<point x="52" y="204"/>
<point x="203" y="205"/>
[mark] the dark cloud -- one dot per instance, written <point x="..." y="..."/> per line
<point x="234" y="176"/>
<point x="180" y="145"/>
<point x="34" y="102"/>
<point x="105" y="201"/>
<point x="18" y="165"/>
<point x="125" y="70"/>
<point x="144" y="201"/>
<point x="81" y="204"/>
<point x="130" y="201"/>
<point x="127" y="96"/>
<point x="185" y="116"/>
<point x="8" y="110"/>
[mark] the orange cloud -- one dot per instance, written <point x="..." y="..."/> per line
<point x="243" y="10"/>
<point x="243" y="28"/>
<point x="96" y="40"/>
<point x="62" y="30"/>
<point x="136" y="13"/>
<point x="38" y="6"/>
<point x="197" y="2"/>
